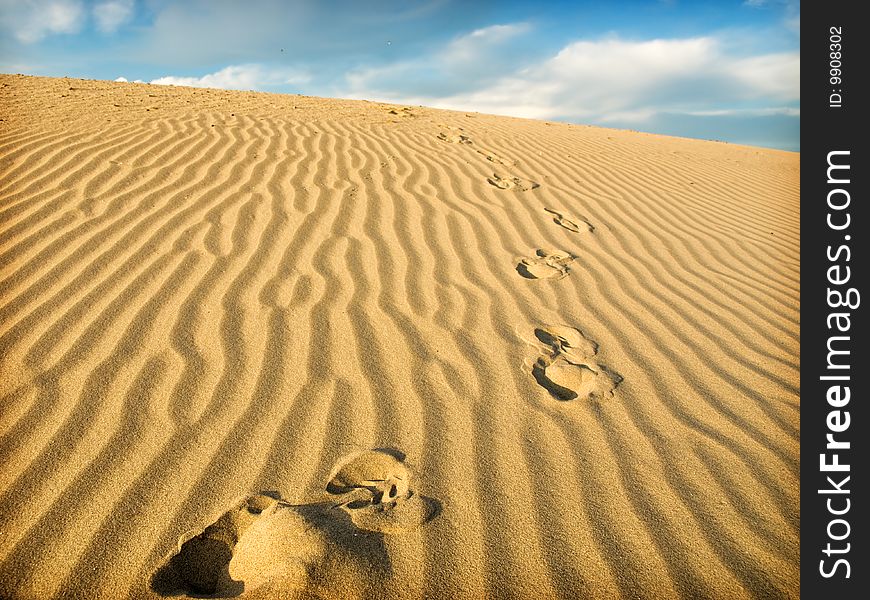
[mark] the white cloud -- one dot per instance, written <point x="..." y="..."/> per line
<point x="240" y="77"/>
<point x="32" y="20"/>
<point x="121" y="80"/>
<point x="111" y="14"/>
<point x="775" y="76"/>
<point x="613" y="80"/>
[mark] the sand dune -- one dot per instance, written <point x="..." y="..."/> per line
<point x="280" y="346"/>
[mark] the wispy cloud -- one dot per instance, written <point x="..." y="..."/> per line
<point x="786" y="111"/>
<point x="472" y="59"/>
<point x="110" y="15"/>
<point x="32" y="20"/>
<point x="792" y="9"/>
<point x="468" y="47"/>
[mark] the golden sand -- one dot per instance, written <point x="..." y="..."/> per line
<point x="280" y="346"/>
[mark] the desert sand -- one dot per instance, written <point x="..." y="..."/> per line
<point x="275" y="346"/>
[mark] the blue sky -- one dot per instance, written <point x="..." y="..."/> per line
<point x="726" y="70"/>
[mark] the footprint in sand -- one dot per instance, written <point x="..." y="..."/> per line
<point x="568" y="369"/>
<point x="545" y="265"/>
<point x="495" y="158"/>
<point x="401" y="111"/>
<point x="202" y="563"/>
<point x="508" y="183"/>
<point x="374" y="487"/>
<point x="567" y="341"/>
<point x="263" y="540"/>
<point x="563" y="221"/>
<point x="454" y="138"/>
<point x="398" y="110"/>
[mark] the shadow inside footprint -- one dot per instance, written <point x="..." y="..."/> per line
<point x="567" y="342"/>
<point x="201" y="564"/>
<point x="539" y="372"/>
<point x="523" y="269"/>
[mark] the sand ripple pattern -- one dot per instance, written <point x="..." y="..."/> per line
<point x="217" y="304"/>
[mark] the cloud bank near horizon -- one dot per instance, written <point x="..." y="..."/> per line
<point x="648" y="77"/>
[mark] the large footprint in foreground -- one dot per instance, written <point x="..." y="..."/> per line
<point x="265" y="541"/>
<point x="202" y="563"/>
<point x="568" y="369"/>
<point x="545" y="264"/>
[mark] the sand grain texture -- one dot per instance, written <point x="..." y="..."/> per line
<point x="209" y="295"/>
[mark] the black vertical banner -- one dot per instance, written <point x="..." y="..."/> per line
<point x="834" y="264"/>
